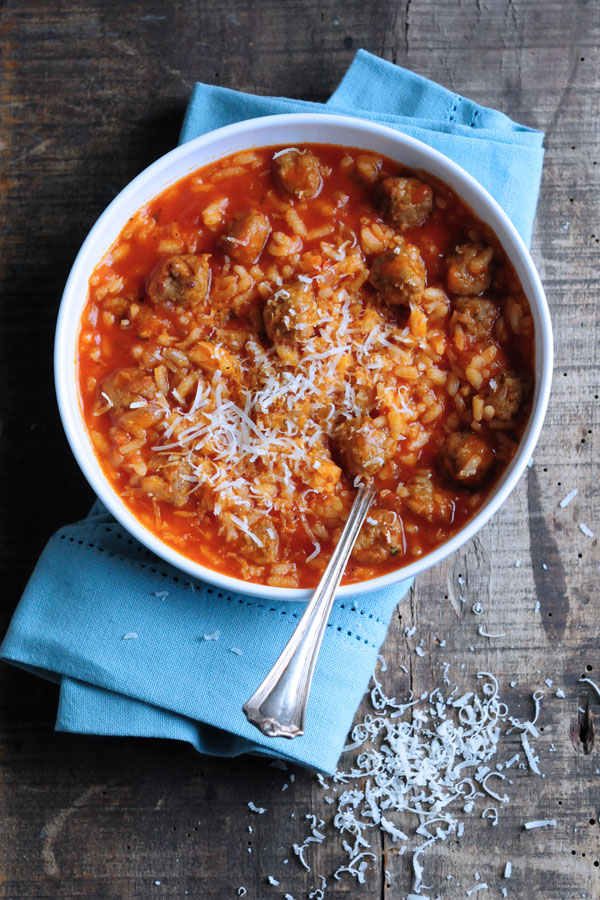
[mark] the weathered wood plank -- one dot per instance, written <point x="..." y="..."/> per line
<point x="91" y="93"/>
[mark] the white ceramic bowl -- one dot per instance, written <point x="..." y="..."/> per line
<point x="290" y="130"/>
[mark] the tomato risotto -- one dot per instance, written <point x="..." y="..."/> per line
<point x="284" y="323"/>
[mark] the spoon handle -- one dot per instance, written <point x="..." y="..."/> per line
<point x="278" y="706"/>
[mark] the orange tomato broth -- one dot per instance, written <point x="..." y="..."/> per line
<point x="177" y="214"/>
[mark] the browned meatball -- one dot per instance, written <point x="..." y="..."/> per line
<point x="469" y="269"/>
<point x="126" y="386"/>
<point x="505" y="393"/>
<point x="171" y="486"/>
<point x="298" y="173"/>
<point x="425" y="499"/>
<point x="291" y="313"/>
<point x="180" y="280"/>
<point x="362" y="447"/>
<point x="476" y="315"/>
<point x="466" y="458"/>
<point x="267" y="548"/>
<point x="404" y="202"/>
<point x="246" y="237"/>
<point x="399" y="275"/>
<point x="381" y="536"/>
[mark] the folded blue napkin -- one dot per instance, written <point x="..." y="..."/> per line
<point x="137" y="647"/>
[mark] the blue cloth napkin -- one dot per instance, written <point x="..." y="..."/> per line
<point x="137" y="647"/>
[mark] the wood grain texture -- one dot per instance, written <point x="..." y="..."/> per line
<point x="90" y="93"/>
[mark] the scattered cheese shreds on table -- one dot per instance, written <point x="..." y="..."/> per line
<point x="315" y="837"/>
<point x="479" y="887"/>
<point x="259" y="810"/>
<point x="425" y="758"/>
<point x="488" y="634"/>
<point x="570" y="496"/>
<point x="540" y="823"/>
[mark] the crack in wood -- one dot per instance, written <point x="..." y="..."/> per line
<point x="581" y="731"/>
<point x="406" y="26"/>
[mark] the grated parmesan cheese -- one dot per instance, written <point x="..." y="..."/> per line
<point x="315" y="837"/>
<point x="570" y="496"/>
<point x="259" y="810"/>
<point x="212" y="637"/>
<point x="287" y="150"/>
<point x="531" y="758"/>
<point x="430" y="759"/>
<point x="422" y="765"/>
<point x="487" y="634"/>
<point x="540" y="823"/>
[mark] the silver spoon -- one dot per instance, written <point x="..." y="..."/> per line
<point x="278" y="706"/>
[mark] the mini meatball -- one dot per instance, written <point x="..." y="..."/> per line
<point x="404" y="202"/>
<point x="476" y="315"/>
<point x="381" y="536"/>
<point x="466" y="458"/>
<point x="180" y="280"/>
<point x="469" y="269"/>
<point x="425" y="499"/>
<point x="505" y="393"/>
<point x="362" y="447"/>
<point x="399" y="275"/>
<point x="298" y="173"/>
<point x="171" y="486"/>
<point x="246" y="237"/>
<point x="290" y="314"/>
<point x="126" y="386"/>
<point x="263" y="547"/>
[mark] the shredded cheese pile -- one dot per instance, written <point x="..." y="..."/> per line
<point x="428" y="760"/>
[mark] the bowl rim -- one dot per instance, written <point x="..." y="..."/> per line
<point x="65" y="353"/>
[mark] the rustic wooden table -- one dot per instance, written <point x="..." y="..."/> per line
<point x="92" y="92"/>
